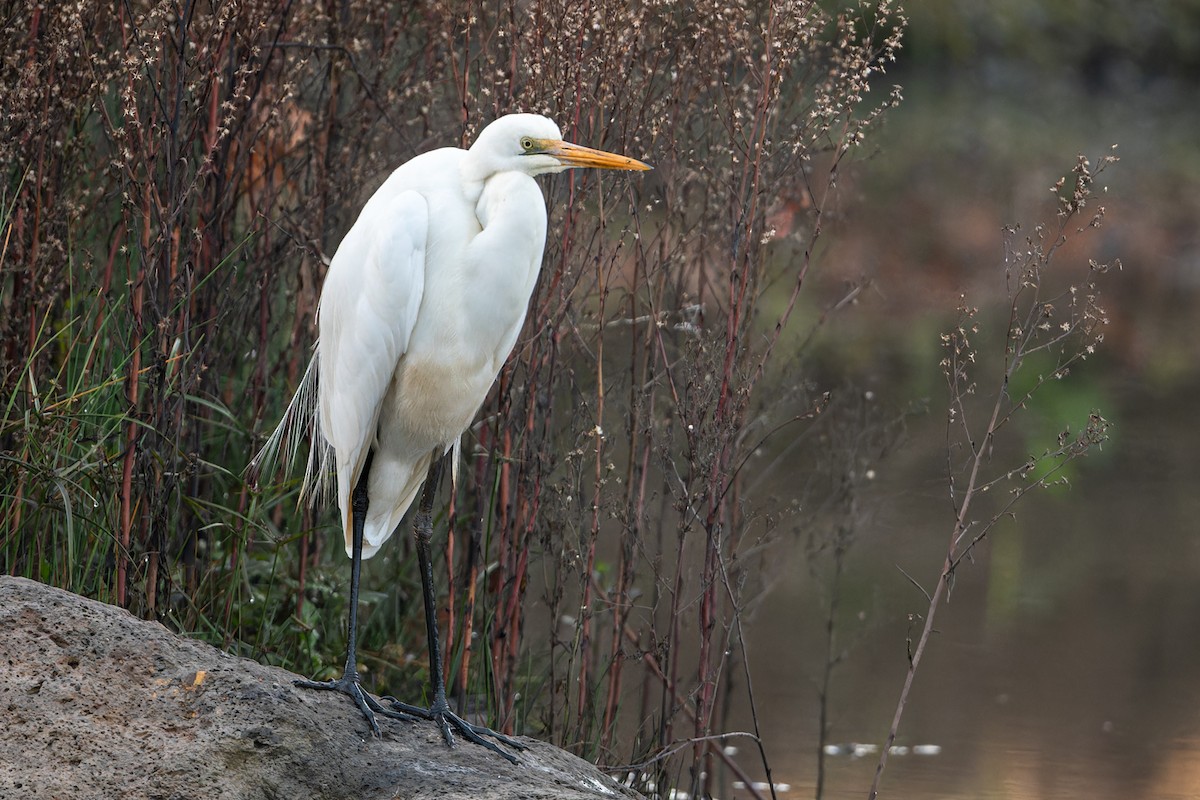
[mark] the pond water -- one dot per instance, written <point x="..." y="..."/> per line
<point x="1067" y="663"/>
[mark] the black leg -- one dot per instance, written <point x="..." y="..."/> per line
<point x="349" y="683"/>
<point x="440" y="711"/>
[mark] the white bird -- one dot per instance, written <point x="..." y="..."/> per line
<point x="422" y="303"/>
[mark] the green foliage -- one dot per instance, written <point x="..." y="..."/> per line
<point x="63" y="414"/>
<point x="175" y="179"/>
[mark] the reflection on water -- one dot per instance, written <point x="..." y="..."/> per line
<point x="1067" y="663"/>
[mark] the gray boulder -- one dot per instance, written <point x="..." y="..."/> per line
<point x="95" y="703"/>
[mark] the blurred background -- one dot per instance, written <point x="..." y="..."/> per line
<point x="1067" y="663"/>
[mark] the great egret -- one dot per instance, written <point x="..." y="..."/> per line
<point x="421" y="306"/>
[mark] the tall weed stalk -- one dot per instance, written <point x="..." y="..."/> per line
<point x="174" y="177"/>
<point x="1052" y="324"/>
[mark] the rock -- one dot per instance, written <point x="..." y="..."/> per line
<point x="95" y="703"/>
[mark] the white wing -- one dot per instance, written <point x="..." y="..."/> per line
<point x="368" y="309"/>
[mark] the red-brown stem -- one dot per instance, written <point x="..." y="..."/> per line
<point x="472" y="577"/>
<point x="131" y="437"/>
<point x="712" y="746"/>
<point x="515" y="625"/>
<point x="505" y="552"/>
<point x="451" y="594"/>
<point x="585" y="603"/>
<point x="670" y="704"/>
<point x="633" y="524"/>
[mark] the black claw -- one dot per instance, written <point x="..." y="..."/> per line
<point x="446" y="719"/>
<point x="368" y="705"/>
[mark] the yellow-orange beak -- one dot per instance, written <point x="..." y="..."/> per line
<point x="576" y="155"/>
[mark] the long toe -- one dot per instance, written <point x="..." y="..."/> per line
<point x="448" y="721"/>
<point x="367" y="704"/>
<point x="477" y="733"/>
<point x="405" y="708"/>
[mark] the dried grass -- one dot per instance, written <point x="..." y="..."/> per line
<point x="173" y="176"/>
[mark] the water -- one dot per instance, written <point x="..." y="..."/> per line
<point x="1067" y="664"/>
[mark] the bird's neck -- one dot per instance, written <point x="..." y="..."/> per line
<point x="474" y="172"/>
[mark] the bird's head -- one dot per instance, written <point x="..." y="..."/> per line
<point x="533" y="144"/>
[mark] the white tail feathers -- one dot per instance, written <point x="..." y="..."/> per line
<point x="301" y="420"/>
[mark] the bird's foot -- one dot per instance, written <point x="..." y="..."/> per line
<point x="446" y="719"/>
<point x="369" y="706"/>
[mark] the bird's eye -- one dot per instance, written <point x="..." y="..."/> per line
<point x="526" y="143"/>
